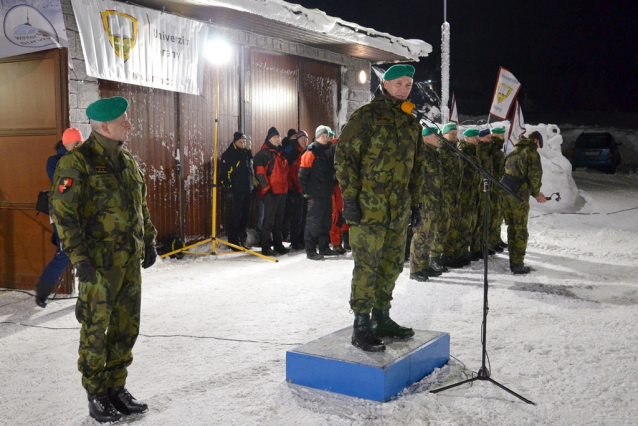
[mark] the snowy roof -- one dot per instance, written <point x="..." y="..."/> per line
<point x="287" y="21"/>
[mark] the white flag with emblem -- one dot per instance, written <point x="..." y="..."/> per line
<point x="507" y="87"/>
<point x="454" y="115"/>
<point x="517" y="129"/>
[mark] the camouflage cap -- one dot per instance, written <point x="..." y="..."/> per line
<point x="448" y="127"/>
<point x="498" y="130"/>
<point x="397" y="71"/>
<point x="470" y="133"/>
<point x="107" y="109"/>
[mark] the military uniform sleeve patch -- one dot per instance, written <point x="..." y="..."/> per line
<point x="65" y="185"/>
<point x="69" y="178"/>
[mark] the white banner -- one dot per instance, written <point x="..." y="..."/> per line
<point x="517" y="129"/>
<point x="28" y="26"/>
<point x="454" y="115"/>
<point x="507" y="87"/>
<point x="141" y="46"/>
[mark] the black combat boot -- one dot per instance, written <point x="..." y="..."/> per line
<point x="419" y="276"/>
<point x="268" y="251"/>
<point x="449" y="262"/>
<point x="432" y="273"/>
<point x="279" y="248"/>
<point x="313" y="255"/>
<point x="339" y="249"/>
<point x="101" y="408"/>
<point x="519" y="269"/>
<point x="497" y="248"/>
<point x="327" y="251"/>
<point x="466" y="258"/>
<point x="42" y="292"/>
<point x="477" y="255"/>
<point x="362" y="336"/>
<point x="435" y="265"/>
<point x="383" y="326"/>
<point x="124" y="402"/>
<point x="502" y="244"/>
<point x="491" y="251"/>
<point x="345" y="240"/>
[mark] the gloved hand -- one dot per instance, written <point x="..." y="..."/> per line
<point x="340" y="220"/>
<point x="150" y="256"/>
<point x="417" y="216"/>
<point x="85" y="271"/>
<point x="351" y="212"/>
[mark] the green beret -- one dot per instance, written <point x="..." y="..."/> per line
<point x="430" y="130"/>
<point x="448" y="127"/>
<point x="498" y="130"/>
<point x="399" y="70"/>
<point x="107" y="109"/>
<point x="471" y="132"/>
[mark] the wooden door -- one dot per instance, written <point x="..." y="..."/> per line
<point x="33" y="115"/>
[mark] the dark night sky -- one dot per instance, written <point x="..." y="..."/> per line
<point x="569" y="55"/>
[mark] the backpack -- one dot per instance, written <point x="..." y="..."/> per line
<point x="42" y="205"/>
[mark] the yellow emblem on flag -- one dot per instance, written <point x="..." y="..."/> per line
<point x="121" y="29"/>
<point x="503" y="92"/>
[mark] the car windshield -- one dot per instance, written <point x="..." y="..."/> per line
<point x="593" y="141"/>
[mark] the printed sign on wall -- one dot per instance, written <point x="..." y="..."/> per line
<point x="141" y="46"/>
<point x="28" y="26"/>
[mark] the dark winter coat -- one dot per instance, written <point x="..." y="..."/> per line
<point x="236" y="171"/>
<point x="292" y="152"/>
<point x="271" y="170"/>
<point x="316" y="174"/>
<point x="52" y="161"/>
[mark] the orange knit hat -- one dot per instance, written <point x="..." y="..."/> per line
<point x="71" y="135"/>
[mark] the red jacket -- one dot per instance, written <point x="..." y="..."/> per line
<point x="271" y="170"/>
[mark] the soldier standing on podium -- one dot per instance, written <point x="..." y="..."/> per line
<point x="379" y="164"/>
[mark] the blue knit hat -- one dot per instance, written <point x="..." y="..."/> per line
<point x="484" y="132"/>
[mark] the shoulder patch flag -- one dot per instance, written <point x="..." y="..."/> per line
<point x="65" y="185"/>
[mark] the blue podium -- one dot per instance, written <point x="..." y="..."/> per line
<point x="331" y="363"/>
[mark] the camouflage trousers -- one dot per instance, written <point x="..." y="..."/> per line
<point x="477" y="234"/>
<point x="450" y="240"/>
<point x="426" y="242"/>
<point x="496" y="218"/>
<point x="109" y="310"/>
<point x="516" y="215"/>
<point x="378" y="255"/>
<point x="467" y="225"/>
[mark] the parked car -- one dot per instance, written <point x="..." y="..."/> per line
<point x="598" y="150"/>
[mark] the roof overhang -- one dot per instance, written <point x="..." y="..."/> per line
<point x="295" y="23"/>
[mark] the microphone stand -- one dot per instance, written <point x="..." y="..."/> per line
<point x="483" y="373"/>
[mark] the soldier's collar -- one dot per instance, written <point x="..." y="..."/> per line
<point x="109" y="147"/>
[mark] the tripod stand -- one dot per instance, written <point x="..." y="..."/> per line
<point x="483" y="372"/>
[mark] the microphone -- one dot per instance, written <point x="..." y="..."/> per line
<point x="409" y="108"/>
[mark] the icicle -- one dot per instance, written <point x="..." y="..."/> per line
<point x="445" y="71"/>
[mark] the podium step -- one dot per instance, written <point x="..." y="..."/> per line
<point x="331" y="363"/>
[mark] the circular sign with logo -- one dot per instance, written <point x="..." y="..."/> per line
<point x="25" y="26"/>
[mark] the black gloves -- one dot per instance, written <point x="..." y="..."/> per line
<point x="340" y="220"/>
<point x="351" y="212"/>
<point x="416" y="217"/>
<point x="150" y="256"/>
<point x="85" y="271"/>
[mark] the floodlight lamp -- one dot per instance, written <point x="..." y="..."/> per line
<point x="363" y="77"/>
<point x="218" y="51"/>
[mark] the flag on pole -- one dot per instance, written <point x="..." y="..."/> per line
<point x="454" y="114"/>
<point x="507" y="87"/>
<point x="517" y="129"/>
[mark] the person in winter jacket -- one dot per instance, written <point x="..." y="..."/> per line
<point x="293" y="145"/>
<point x="273" y="176"/>
<point x="51" y="274"/>
<point x="379" y="163"/>
<point x="340" y="231"/>
<point x="523" y="175"/>
<point x="237" y="178"/>
<point x="316" y="176"/>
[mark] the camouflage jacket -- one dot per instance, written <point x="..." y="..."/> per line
<point x="433" y="184"/>
<point x="451" y="165"/>
<point x="484" y="156"/>
<point x="470" y="178"/>
<point x="524" y="163"/>
<point x="379" y="161"/>
<point x="99" y="206"/>
<point x="498" y="157"/>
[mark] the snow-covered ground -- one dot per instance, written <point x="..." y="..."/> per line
<point x="215" y="332"/>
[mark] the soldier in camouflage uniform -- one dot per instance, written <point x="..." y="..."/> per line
<point x="523" y="174"/>
<point x="98" y="203"/>
<point x="426" y="242"/>
<point x="496" y="244"/>
<point x="379" y="164"/>
<point x="484" y="156"/>
<point x="469" y="197"/>
<point x="452" y="172"/>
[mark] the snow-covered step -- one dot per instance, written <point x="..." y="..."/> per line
<point x="331" y="363"/>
